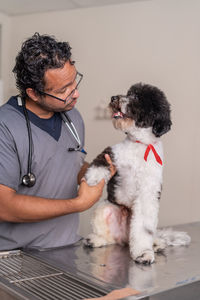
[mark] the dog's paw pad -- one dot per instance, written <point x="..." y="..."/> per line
<point x="159" y="248"/>
<point x="145" y="258"/>
<point x="159" y="245"/>
<point x="88" y="243"/>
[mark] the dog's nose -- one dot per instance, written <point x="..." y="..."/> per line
<point x="114" y="98"/>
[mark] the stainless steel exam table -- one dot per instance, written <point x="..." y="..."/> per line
<point x="76" y="272"/>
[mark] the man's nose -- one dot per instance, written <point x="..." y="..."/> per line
<point x="114" y="98"/>
<point x="76" y="93"/>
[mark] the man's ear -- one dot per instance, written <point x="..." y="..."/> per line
<point x="32" y="94"/>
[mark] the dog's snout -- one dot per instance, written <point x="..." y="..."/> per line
<point x="114" y="98"/>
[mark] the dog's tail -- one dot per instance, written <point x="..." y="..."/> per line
<point x="173" y="238"/>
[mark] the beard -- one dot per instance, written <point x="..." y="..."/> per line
<point x="57" y="108"/>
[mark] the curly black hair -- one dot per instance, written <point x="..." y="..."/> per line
<point x="38" y="54"/>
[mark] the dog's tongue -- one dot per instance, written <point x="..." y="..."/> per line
<point x="118" y="115"/>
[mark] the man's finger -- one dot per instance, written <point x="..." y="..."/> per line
<point x="107" y="157"/>
<point x="111" y="166"/>
<point x="101" y="183"/>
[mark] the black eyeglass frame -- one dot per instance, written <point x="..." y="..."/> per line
<point x="71" y="93"/>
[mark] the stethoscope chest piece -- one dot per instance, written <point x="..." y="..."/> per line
<point x="29" y="180"/>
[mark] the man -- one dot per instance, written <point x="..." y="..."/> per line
<point x="40" y="154"/>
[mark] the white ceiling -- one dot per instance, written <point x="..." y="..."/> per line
<point x="20" y="7"/>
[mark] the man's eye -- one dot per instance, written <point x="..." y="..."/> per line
<point x="63" y="91"/>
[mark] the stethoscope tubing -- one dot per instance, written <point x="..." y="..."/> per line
<point x="29" y="179"/>
<point x="30" y="139"/>
<point x="71" y="128"/>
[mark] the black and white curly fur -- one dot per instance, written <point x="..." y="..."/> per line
<point x="130" y="213"/>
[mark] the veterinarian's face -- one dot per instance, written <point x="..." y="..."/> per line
<point x="60" y="90"/>
<point x="120" y="112"/>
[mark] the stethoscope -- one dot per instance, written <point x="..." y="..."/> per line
<point x="29" y="179"/>
<point x="67" y="120"/>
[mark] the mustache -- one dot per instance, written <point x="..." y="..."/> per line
<point x="71" y="101"/>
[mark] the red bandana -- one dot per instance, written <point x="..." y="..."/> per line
<point x="151" y="147"/>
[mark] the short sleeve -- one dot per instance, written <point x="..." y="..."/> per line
<point x="9" y="161"/>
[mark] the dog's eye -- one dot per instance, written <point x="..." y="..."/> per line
<point x="132" y="96"/>
<point x="124" y="101"/>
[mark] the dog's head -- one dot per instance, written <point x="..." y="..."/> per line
<point x="144" y="106"/>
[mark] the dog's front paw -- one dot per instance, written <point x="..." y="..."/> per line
<point x="95" y="174"/>
<point x="146" y="258"/>
<point x="94" y="241"/>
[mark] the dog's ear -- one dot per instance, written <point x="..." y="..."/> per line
<point x="161" y="127"/>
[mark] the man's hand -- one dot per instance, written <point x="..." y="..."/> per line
<point x="86" y="166"/>
<point x="89" y="195"/>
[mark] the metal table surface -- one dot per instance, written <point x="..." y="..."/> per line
<point x="111" y="267"/>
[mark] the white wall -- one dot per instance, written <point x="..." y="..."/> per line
<point x="5" y="27"/>
<point x="156" y="42"/>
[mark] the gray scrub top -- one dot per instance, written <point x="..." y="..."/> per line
<point x="55" y="168"/>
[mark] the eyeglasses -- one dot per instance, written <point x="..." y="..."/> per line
<point x="78" y="79"/>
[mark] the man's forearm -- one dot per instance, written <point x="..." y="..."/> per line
<point x="25" y="208"/>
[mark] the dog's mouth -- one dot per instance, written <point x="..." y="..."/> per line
<point x="118" y="115"/>
<point x="118" y="107"/>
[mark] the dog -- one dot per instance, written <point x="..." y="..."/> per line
<point x="130" y="213"/>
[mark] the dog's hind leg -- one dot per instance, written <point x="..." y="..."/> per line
<point x="109" y="225"/>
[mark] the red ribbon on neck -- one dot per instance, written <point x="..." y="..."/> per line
<point x="151" y="147"/>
